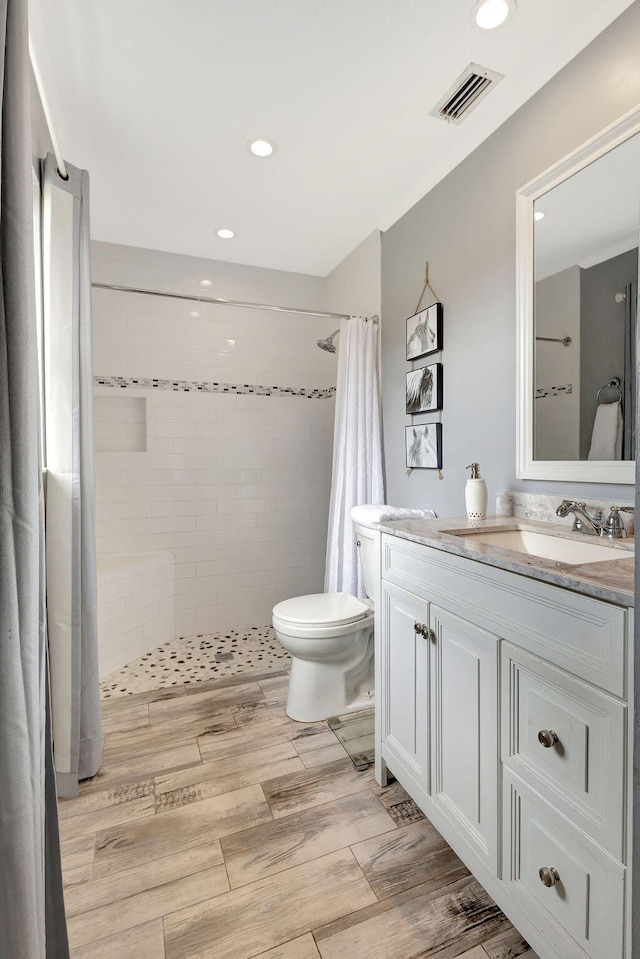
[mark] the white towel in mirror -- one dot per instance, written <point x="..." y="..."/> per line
<point x="606" y="438"/>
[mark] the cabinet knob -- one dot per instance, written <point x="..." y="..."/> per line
<point x="421" y="629"/>
<point x="547" y="738"/>
<point x="548" y="876"/>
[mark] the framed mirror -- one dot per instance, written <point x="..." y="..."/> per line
<point x="578" y="226"/>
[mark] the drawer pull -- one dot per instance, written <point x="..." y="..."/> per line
<point x="549" y="876"/>
<point x="422" y="630"/>
<point x="547" y="738"/>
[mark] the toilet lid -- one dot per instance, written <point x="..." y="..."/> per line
<point x="321" y="609"/>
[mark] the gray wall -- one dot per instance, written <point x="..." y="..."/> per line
<point x="557" y="418"/>
<point x="465" y="228"/>
<point x="353" y="286"/>
<point x="602" y="339"/>
<point x="40" y="139"/>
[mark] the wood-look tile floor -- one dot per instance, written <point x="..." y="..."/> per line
<point x="220" y="829"/>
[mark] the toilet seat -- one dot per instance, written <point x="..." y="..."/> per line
<point x="322" y="610"/>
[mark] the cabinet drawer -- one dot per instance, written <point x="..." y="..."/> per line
<point x="585" y="904"/>
<point x="568" y="741"/>
<point x="583" y="635"/>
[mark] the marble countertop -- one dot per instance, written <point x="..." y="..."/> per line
<point x="610" y="580"/>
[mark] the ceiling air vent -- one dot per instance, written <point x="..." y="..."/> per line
<point x="466" y="93"/>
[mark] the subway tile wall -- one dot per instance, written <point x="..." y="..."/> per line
<point x="135" y="606"/>
<point x="234" y="484"/>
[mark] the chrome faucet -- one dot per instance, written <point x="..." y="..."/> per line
<point x="612" y="528"/>
<point x="582" y="522"/>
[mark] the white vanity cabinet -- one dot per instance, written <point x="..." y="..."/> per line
<point x="503" y="712"/>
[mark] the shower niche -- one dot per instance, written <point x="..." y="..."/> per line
<point x="120" y="424"/>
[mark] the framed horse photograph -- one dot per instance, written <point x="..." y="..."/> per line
<point x="424" y="389"/>
<point x="424" y="446"/>
<point x="424" y="332"/>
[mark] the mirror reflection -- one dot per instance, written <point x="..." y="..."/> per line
<point x="586" y="278"/>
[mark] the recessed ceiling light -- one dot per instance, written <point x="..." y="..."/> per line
<point x="194" y="313"/>
<point x="489" y="14"/>
<point x="538" y="215"/>
<point x="206" y="282"/>
<point x="262" y="147"/>
<point x="225" y="234"/>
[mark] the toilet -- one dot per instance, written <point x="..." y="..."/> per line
<point x="330" y="639"/>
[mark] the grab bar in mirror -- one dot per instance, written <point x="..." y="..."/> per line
<point x="566" y="341"/>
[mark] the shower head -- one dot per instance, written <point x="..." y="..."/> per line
<point x="328" y="344"/>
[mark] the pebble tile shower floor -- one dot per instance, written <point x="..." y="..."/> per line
<point x="197" y="659"/>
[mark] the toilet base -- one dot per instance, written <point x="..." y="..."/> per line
<point x="318" y="691"/>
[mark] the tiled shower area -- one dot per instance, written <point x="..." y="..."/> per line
<point x="188" y="660"/>
<point x="213" y="433"/>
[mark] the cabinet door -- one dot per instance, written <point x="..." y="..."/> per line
<point x="465" y="740"/>
<point x="405" y="685"/>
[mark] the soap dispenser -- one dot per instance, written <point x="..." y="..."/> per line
<point x="475" y="494"/>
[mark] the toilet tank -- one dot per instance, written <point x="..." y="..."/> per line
<point x="368" y="541"/>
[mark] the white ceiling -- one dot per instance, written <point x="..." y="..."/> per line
<point x="158" y="98"/>
<point x="592" y="216"/>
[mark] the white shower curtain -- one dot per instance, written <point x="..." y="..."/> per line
<point x="357" y="450"/>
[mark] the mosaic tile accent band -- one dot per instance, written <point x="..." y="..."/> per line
<point x="545" y="391"/>
<point x="201" y="386"/>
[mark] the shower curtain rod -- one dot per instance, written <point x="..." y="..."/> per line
<point x="221" y="302"/>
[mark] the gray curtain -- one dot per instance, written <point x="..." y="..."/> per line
<point x="32" y="924"/>
<point x="629" y="399"/>
<point x="70" y="494"/>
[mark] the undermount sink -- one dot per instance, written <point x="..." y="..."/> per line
<point x="570" y="551"/>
